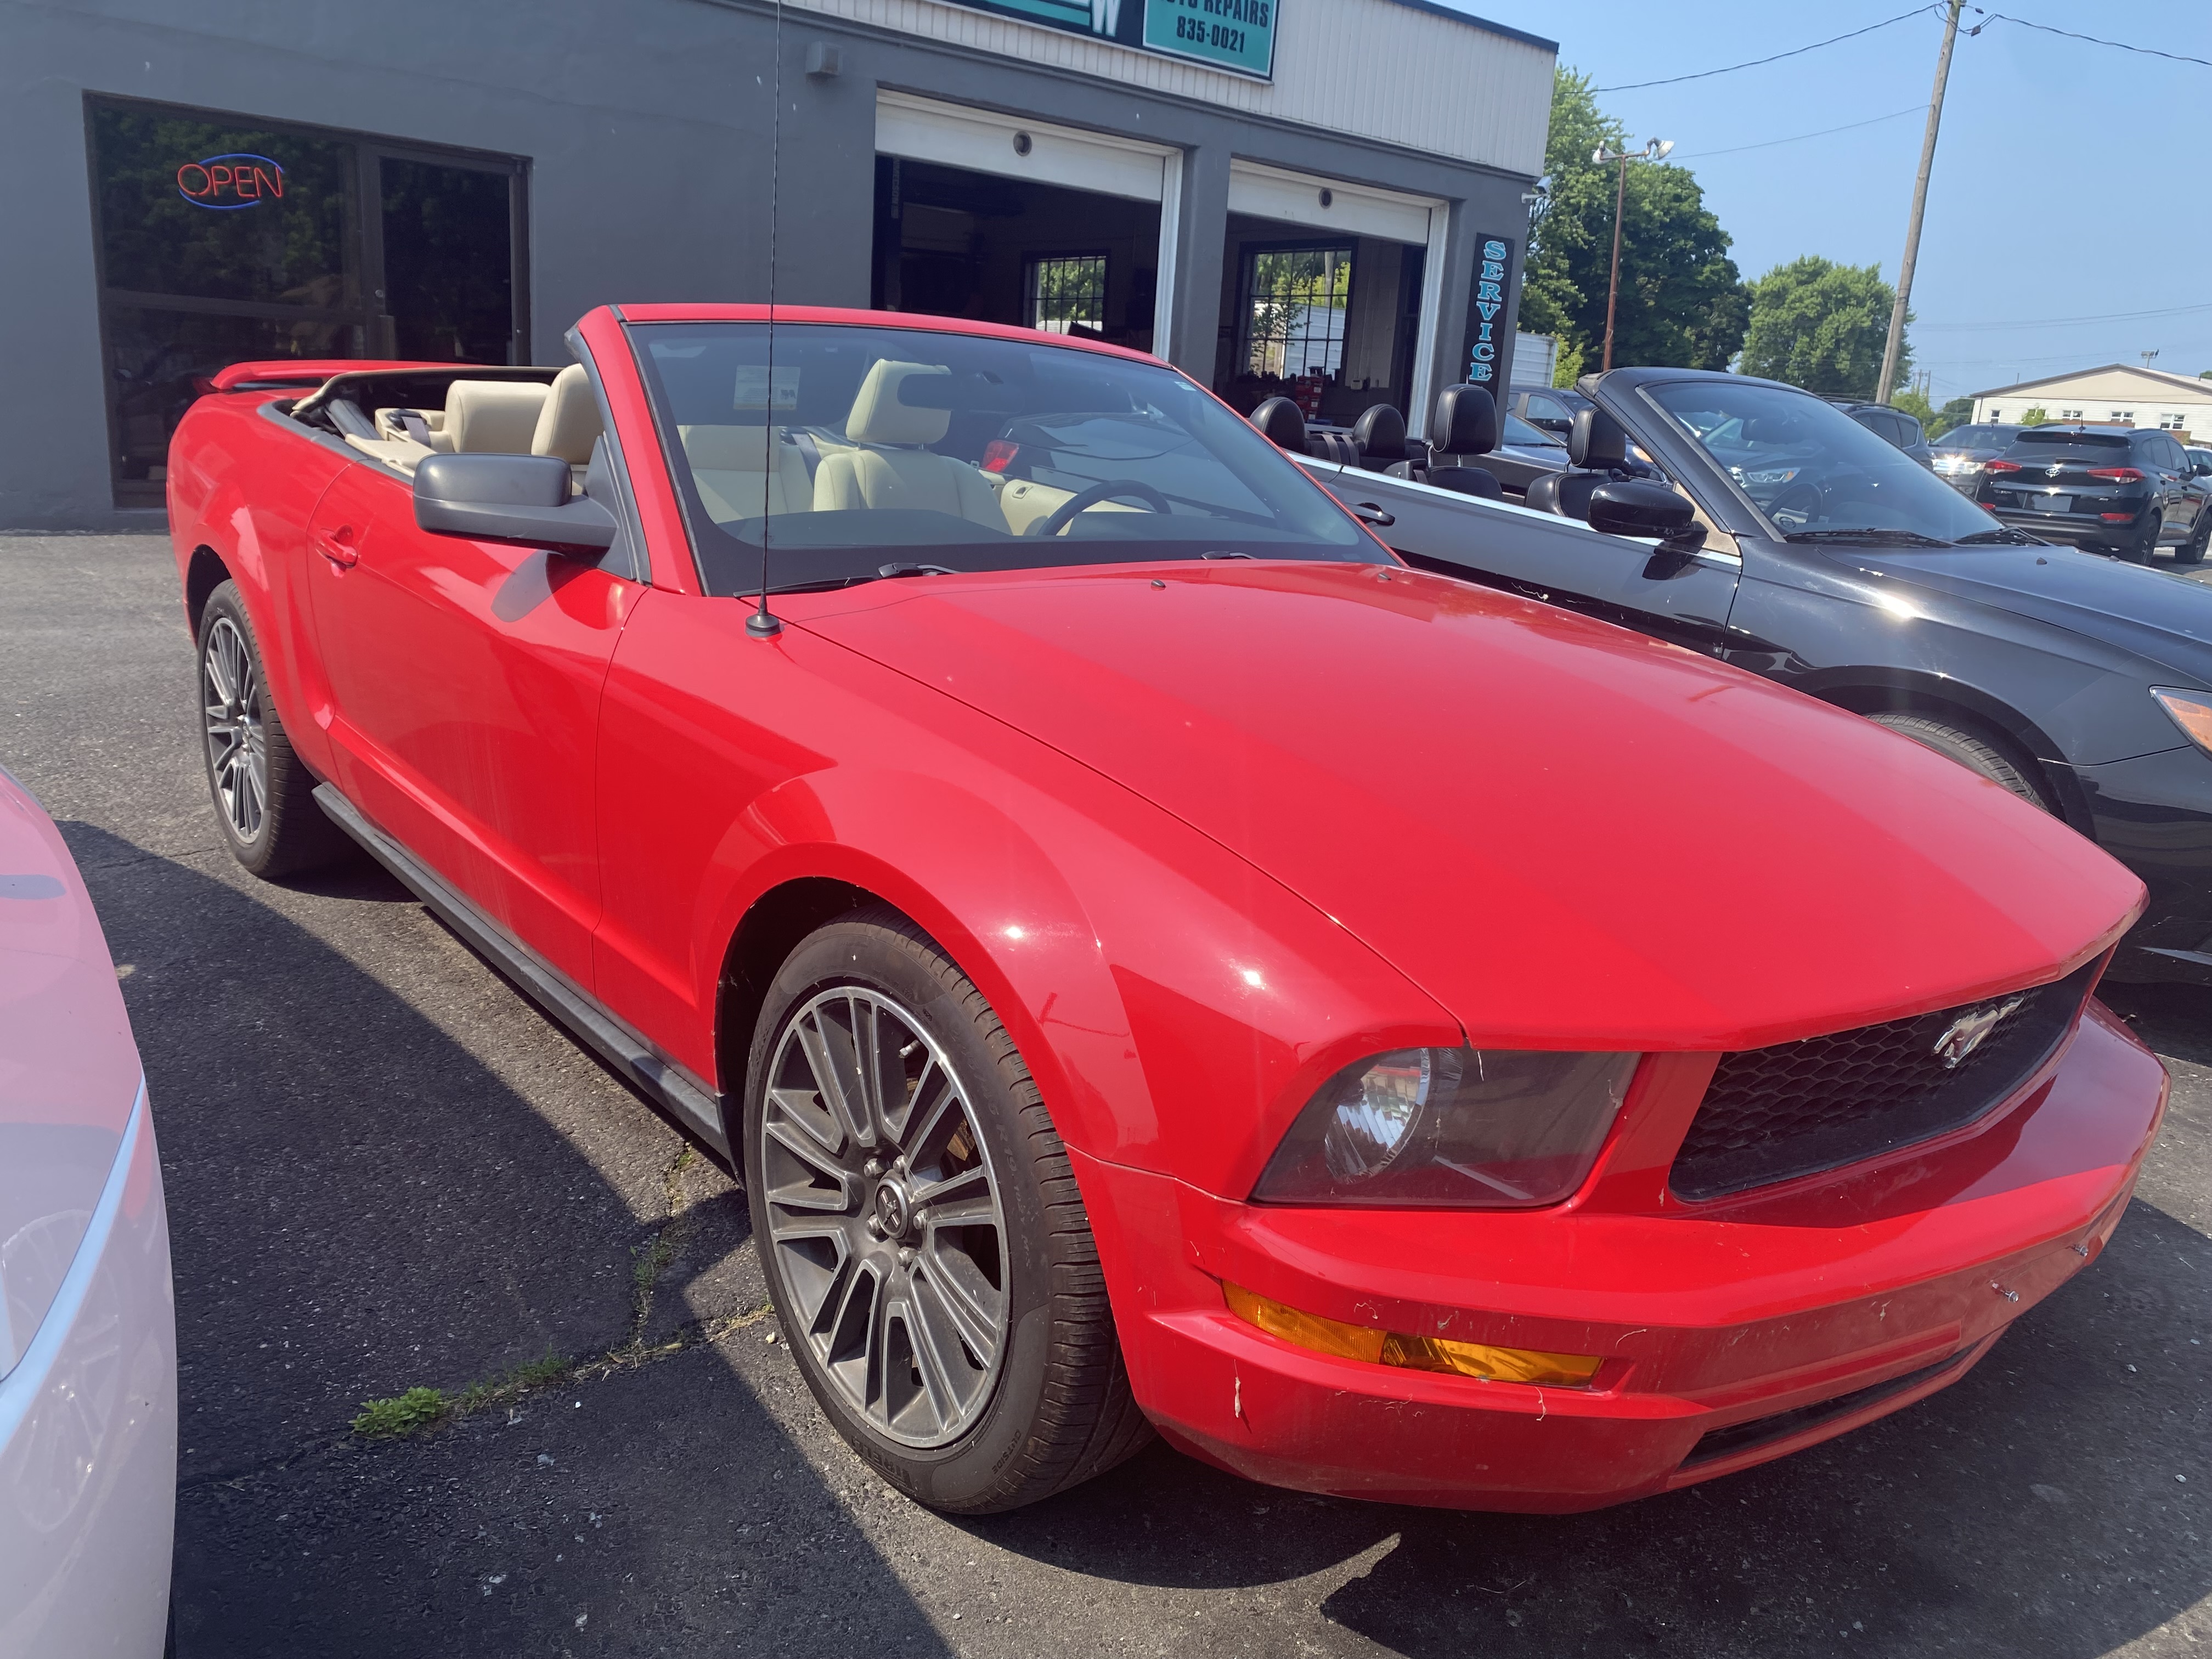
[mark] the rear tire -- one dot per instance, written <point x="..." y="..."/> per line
<point x="2192" y="550"/>
<point x="264" y="796"/>
<point x="1978" y="751"/>
<point x="2144" y="543"/>
<point x="882" y="1225"/>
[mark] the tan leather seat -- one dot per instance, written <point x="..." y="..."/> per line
<point x="493" y="417"/>
<point x="901" y="474"/>
<point x="568" y="424"/>
<point x="731" y="463"/>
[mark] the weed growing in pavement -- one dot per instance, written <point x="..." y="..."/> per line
<point x="421" y="1408"/>
<point x="418" y="1408"/>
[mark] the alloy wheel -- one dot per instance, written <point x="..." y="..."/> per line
<point x="238" y="757"/>
<point x="885" y="1216"/>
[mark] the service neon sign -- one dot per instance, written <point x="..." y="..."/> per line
<point x="227" y="183"/>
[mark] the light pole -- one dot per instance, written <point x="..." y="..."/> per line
<point x="1654" y="149"/>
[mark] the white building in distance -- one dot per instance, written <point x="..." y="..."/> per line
<point x="2118" y="394"/>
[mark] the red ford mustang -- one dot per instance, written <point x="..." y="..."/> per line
<point x="1157" y="961"/>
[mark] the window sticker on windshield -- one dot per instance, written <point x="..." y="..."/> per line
<point x="752" y="388"/>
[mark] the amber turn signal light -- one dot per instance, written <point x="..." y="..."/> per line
<point x="1413" y="1353"/>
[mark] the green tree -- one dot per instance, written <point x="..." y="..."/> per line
<point x="1682" y="301"/>
<point x="2035" y="417"/>
<point x="1915" y="403"/>
<point x="1822" y="325"/>
<point x="1957" y="412"/>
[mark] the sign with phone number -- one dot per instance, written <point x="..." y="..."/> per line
<point x="1237" y="35"/>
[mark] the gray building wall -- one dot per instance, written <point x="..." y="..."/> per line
<point x="647" y="125"/>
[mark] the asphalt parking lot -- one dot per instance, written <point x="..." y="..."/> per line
<point x="385" y="1170"/>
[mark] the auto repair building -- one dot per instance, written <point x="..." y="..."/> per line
<point x="1317" y="197"/>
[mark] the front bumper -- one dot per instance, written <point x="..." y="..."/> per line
<point x="2153" y="813"/>
<point x="89" y="1435"/>
<point x="1731" y="1332"/>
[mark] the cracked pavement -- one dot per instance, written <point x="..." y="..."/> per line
<point x="386" y="1169"/>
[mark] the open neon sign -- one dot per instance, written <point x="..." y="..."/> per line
<point x="247" y="180"/>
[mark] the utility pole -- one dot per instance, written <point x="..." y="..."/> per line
<point x="1654" y="149"/>
<point x="1896" y="342"/>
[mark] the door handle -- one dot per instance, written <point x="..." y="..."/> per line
<point x="337" y="547"/>
<point x="1370" y="512"/>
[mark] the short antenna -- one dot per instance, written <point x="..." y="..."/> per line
<point x="763" y="624"/>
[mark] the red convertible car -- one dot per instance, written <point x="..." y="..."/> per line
<point x="1157" y="961"/>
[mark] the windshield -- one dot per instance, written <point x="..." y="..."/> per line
<point x="1519" y="431"/>
<point x="1978" y="437"/>
<point x="871" y="452"/>
<point x="1812" y="469"/>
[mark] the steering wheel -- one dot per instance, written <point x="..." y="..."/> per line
<point x="1065" y="511"/>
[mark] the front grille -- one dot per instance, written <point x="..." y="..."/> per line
<point x="1799" y="1108"/>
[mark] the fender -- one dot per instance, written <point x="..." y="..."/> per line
<point x="244" y="488"/>
<point x="1868" y="690"/>
<point x="1102" y="1004"/>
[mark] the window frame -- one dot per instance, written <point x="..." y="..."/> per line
<point x="1248" y="259"/>
<point x="1031" y="261"/>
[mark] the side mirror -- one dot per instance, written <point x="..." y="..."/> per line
<point x="2201" y="470"/>
<point x="524" y="499"/>
<point x="1637" y="506"/>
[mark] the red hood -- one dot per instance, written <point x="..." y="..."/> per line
<point x="1569" y="835"/>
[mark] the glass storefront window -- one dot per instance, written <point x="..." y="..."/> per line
<point x="223" y="239"/>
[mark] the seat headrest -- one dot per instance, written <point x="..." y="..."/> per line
<point x="1466" y="421"/>
<point x="729" y="448"/>
<point x="493" y="416"/>
<point x="1282" y="424"/>
<point x="1596" y="440"/>
<point x="568" y="425"/>
<point x="1380" y="432"/>
<point x="878" y="417"/>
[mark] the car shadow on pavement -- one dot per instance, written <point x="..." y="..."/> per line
<point x="382" y="1171"/>
<point x="2052" y="1502"/>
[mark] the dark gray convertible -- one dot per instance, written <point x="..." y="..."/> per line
<point x="1797" y="545"/>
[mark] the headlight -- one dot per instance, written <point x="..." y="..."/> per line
<point x="1486" y="1128"/>
<point x="2191" y="712"/>
<point x="1776" y="475"/>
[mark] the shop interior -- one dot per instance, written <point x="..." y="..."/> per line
<point x="1328" y="321"/>
<point x="957" y="243"/>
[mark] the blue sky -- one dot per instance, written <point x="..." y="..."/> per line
<point x="2071" y="181"/>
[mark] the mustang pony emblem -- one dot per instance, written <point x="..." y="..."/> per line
<point x="1969" y="1031"/>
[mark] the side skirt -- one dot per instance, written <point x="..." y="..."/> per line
<point x="698" y="1108"/>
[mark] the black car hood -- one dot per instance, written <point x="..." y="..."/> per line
<point x="2164" y="618"/>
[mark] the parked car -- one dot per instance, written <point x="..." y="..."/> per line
<point x="1551" y="409"/>
<point x="2122" y="490"/>
<point x="88" y="1330"/>
<point x="1893" y="426"/>
<point x="1960" y="454"/>
<point x="1156" y="959"/>
<point x="1819" y="558"/>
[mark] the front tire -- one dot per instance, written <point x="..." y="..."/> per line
<point x="264" y="796"/>
<point x="921" y="1230"/>
<point x="1975" y="750"/>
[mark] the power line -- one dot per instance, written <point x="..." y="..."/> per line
<point x="1795" y="52"/>
<point x="1700" y="154"/>
<point x="2062" y="322"/>
<point x="2122" y="45"/>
